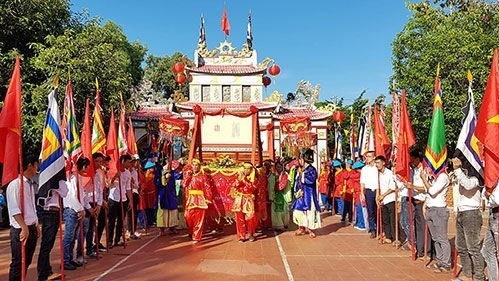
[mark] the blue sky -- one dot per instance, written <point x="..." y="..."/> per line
<point x="345" y="46"/>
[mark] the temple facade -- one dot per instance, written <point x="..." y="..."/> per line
<point x="227" y="84"/>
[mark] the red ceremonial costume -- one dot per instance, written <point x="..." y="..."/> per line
<point x="354" y="184"/>
<point x="324" y="180"/>
<point x="347" y="192"/>
<point x="340" y="178"/>
<point x="198" y="195"/>
<point x="244" y="206"/>
<point x="148" y="197"/>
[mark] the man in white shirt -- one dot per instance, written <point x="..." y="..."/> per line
<point x="133" y="213"/>
<point x="23" y="218"/>
<point x="368" y="187"/>
<point x="48" y="216"/>
<point x="74" y="211"/>
<point x="469" y="224"/>
<point x="437" y="217"/>
<point x="418" y="191"/>
<point x="489" y="247"/>
<point x="386" y="198"/>
<point x="95" y="197"/>
<point x="118" y="200"/>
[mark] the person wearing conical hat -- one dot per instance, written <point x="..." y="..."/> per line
<point x="306" y="206"/>
<point x="198" y="194"/>
<point x="244" y="203"/>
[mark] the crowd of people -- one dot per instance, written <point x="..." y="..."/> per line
<point x="171" y="195"/>
<point x="383" y="203"/>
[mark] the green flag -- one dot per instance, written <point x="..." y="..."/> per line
<point x="436" y="149"/>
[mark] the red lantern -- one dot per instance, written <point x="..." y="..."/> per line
<point x="178" y="67"/>
<point x="338" y="116"/>
<point x="266" y="81"/>
<point x="274" y="70"/>
<point x="180" y="78"/>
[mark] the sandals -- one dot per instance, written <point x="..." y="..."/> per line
<point x="299" y="232"/>
<point x="312" y="234"/>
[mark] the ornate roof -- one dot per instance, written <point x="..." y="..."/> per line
<point x="151" y="113"/>
<point x="226" y="105"/>
<point x="303" y="112"/>
<point x="227" y="69"/>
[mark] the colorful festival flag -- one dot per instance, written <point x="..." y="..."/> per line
<point x="436" y="149"/>
<point x="86" y="140"/>
<point x="122" y="144"/>
<point x="112" y="147"/>
<point x="467" y="148"/>
<point x="202" y="32"/>
<point x="130" y="139"/>
<point x="10" y="127"/>
<point x="72" y="145"/>
<point x="98" y="134"/>
<point x="52" y="163"/>
<point x="249" y="34"/>
<point x="487" y="126"/>
<point x="405" y="140"/>
<point x="381" y="141"/>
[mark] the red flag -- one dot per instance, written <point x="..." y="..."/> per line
<point x="225" y="22"/>
<point x="381" y="141"/>
<point x="112" y="147"/>
<point x="487" y="126"/>
<point x="404" y="141"/>
<point x="86" y="140"/>
<point x="10" y="127"/>
<point x="130" y="139"/>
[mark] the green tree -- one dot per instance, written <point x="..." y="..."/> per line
<point x="159" y="70"/>
<point x="23" y="23"/>
<point x="95" y="52"/>
<point x="458" y="35"/>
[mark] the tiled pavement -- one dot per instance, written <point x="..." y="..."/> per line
<point x="337" y="253"/>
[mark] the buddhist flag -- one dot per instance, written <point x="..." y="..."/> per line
<point x="72" y="145"/>
<point x="467" y="148"/>
<point x="132" y="143"/>
<point x="112" y="147"/>
<point x="436" y="149"/>
<point x="98" y="134"/>
<point x="225" y="23"/>
<point x="52" y="161"/>
<point x="122" y="144"/>
<point x="487" y="126"/>
<point x="381" y="141"/>
<point x="405" y="140"/>
<point x="10" y="127"/>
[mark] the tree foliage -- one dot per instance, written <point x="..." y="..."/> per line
<point x="159" y="70"/>
<point x="23" y="23"/>
<point x="81" y="56"/>
<point x="457" y="34"/>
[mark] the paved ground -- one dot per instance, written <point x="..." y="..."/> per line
<point x="337" y="253"/>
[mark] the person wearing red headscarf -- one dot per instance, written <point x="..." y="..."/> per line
<point x="243" y="193"/>
<point x="198" y="194"/>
